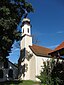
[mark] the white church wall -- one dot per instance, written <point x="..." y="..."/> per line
<point x="28" y="42"/>
<point x="32" y="68"/>
<point x="26" y="70"/>
<point x="39" y="63"/>
<point x="25" y="42"/>
<point x="25" y="75"/>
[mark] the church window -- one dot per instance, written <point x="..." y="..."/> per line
<point x="10" y="73"/>
<point x="28" y="30"/>
<point x="1" y="73"/>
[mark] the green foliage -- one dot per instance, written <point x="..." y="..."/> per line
<point x="52" y="73"/>
<point x="28" y="82"/>
<point x="58" y="72"/>
<point x="11" y="12"/>
<point x="45" y="75"/>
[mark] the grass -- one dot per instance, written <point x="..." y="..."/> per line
<point x="25" y="82"/>
<point x="28" y="82"/>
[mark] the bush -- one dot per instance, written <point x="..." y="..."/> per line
<point x="52" y="73"/>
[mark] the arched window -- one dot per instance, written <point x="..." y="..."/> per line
<point x="10" y="73"/>
<point x="1" y="73"/>
<point x="28" y="30"/>
<point x="23" y="30"/>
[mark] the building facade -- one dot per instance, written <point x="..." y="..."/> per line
<point x="8" y="71"/>
<point x="31" y="56"/>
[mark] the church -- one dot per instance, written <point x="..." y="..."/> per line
<point x="31" y="56"/>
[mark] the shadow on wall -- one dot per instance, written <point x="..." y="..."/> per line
<point x="23" y="67"/>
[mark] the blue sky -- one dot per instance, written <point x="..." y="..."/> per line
<point x="47" y="24"/>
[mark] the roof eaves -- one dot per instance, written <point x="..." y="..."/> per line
<point x="13" y="64"/>
<point x="55" y="51"/>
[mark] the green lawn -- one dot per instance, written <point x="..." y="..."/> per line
<point x="27" y="82"/>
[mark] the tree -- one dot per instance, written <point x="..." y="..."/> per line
<point x="11" y="12"/>
<point x="58" y="72"/>
<point x="52" y="73"/>
<point x="45" y="75"/>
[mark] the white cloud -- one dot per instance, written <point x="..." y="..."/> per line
<point x="60" y="32"/>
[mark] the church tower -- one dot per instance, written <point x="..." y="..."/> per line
<point x="26" y="34"/>
<point x="31" y="56"/>
<point x="26" y="27"/>
<point x="26" y="41"/>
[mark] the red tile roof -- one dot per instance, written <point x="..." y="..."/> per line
<point x="59" y="47"/>
<point x="40" y="51"/>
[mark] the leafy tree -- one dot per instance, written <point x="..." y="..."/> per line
<point x="52" y="73"/>
<point x="45" y="75"/>
<point x="58" y="72"/>
<point x="11" y="12"/>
